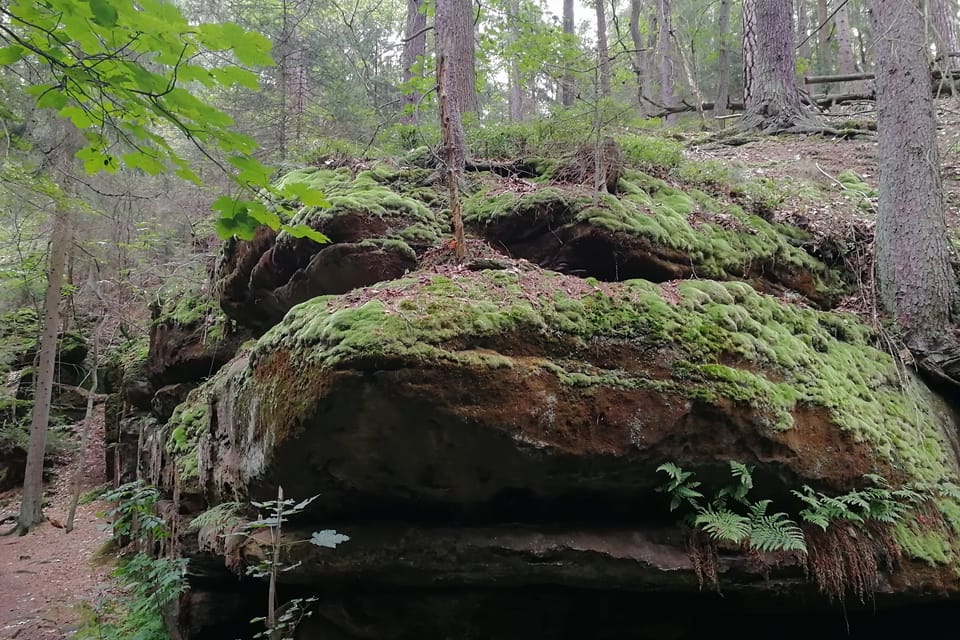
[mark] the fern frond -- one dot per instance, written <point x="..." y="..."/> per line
<point x="815" y="518"/>
<point x="854" y="499"/>
<point x="759" y="509"/>
<point x="949" y="490"/>
<point x="808" y="496"/>
<point x="674" y="472"/>
<point x="742" y="472"/>
<point x="680" y="486"/>
<point x="776" y="532"/>
<point x="217" y="516"/>
<point x="744" y="475"/>
<point x="724" y="525"/>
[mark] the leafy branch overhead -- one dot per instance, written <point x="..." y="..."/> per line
<point x="122" y="72"/>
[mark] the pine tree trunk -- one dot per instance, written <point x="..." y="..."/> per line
<point x="771" y="92"/>
<point x="803" y="31"/>
<point x="665" y="63"/>
<point x="454" y="31"/>
<point x="944" y="18"/>
<point x="515" y="96"/>
<point x="848" y="61"/>
<point x="568" y="85"/>
<point x="917" y="284"/>
<point x="603" y="52"/>
<point x="31" y="505"/>
<point x="824" y="44"/>
<point x="636" y="7"/>
<point x="723" y="61"/>
<point x="450" y="88"/>
<point x="414" y="48"/>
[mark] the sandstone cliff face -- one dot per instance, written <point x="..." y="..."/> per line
<point x="489" y="435"/>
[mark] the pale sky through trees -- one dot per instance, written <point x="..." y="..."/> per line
<point x="581" y="13"/>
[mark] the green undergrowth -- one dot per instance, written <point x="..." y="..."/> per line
<point x="127" y="360"/>
<point x="760" y="196"/>
<point x="855" y="187"/>
<point x="543" y="137"/>
<point x="402" y="199"/>
<point x="186" y="302"/>
<point x="187" y="309"/>
<point x="18" y="335"/>
<point x="919" y="518"/>
<point x="19" y="341"/>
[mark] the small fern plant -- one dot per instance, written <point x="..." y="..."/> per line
<point x="880" y="503"/>
<point x="731" y="516"/>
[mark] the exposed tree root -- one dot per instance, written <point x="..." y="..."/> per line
<point x="783" y="123"/>
<point x="941" y="365"/>
<point x="522" y="168"/>
<point x="598" y="165"/>
<point x="17" y="530"/>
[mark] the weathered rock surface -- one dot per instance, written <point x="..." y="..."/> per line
<point x="189" y="340"/>
<point x="503" y="428"/>
<point x="375" y="231"/>
<point x="651" y="230"/>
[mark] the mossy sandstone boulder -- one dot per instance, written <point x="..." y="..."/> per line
<point x="650" y="229"/>
<point x="377" y="221"/>
<point x="527" y="396"/>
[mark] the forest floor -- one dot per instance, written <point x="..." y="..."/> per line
<point x="830" y="211"/>
<point x="46" y="575"/>
<point x="817" y="160"/>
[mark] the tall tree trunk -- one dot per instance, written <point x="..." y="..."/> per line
<point x="414" y="49"/>
<point x="515" y="97"/>
<point x="87" y="424"/>
<point x="944" y="18"/>
<point x="824" y="43"/>
<point x="636" y="7"/>
<point x="31" y="505"/>
<point x="771" y="93"/>
<point x="723" y="61"/>
<point x="450" y="89"/>
<point x="848" y="61"/>
<point x="917" y="284"/>
<point x="603" y="52"/>
<point x="804" y="49"/>
<point x="293" y="77"/>
<point x="665" y="23"/>
<point x="455" y="41"/>
<point x="568" y="86"/>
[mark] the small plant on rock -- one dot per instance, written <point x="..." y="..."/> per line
<point x="844" y="542"/>
<point x="731" y="516"/>
<point x="282" y="621"/>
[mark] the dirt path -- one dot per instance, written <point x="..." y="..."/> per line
<point x="45" y="574"/>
